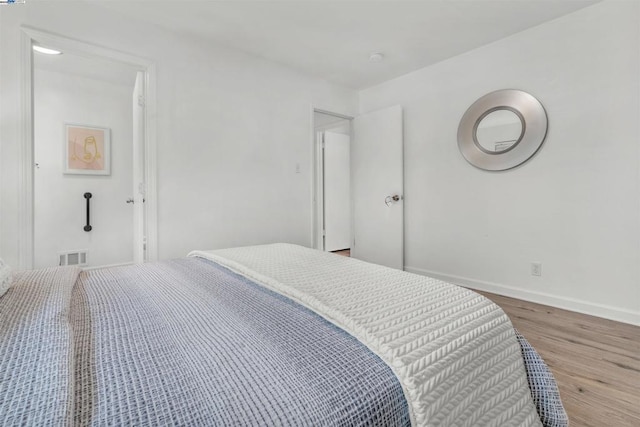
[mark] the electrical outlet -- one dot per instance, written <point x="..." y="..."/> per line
<point x="536" y="269"/>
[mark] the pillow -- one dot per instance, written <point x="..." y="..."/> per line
<point x="544" y="388"/>
<point x="5" y="277"/>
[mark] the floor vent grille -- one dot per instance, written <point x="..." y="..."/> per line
<point x="73" y="258"/>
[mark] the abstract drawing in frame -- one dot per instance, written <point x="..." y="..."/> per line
<point x="87" y="150"/>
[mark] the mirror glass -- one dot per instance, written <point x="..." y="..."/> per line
<point x="498" y="131"/>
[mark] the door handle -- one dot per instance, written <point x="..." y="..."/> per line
<point x="389" y="200"/>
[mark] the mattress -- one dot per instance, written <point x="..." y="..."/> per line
<point x="268" y="335"/>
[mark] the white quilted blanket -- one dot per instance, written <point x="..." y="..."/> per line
<point x="454" y="351"/>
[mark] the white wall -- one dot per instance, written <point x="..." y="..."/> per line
<point x="58" y="198"/>
<point x="574" y="206"/>
<point x="231" y="129"/>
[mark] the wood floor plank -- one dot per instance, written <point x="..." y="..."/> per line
<point x="596" y="361"/>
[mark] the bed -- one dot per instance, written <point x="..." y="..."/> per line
<point x="264" y="335"/>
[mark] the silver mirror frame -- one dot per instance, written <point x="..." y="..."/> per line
<point x="534" y="129"/>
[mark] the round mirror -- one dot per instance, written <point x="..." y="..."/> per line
<point x="502" y="130"/>
<point x="498" y="131"/>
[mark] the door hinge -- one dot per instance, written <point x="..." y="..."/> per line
<point x="141" y="100"/>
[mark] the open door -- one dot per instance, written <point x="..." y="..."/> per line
<point x="377" y="188"/>
<point x="138" y="170"/>
<point x="337" y="197"/>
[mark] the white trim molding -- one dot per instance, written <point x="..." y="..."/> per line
<point x="572" y="304"/>
<point x="26" y="155"/>
<point x="150" y="165"/>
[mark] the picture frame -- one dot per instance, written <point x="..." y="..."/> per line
<point x="87" y="149"/>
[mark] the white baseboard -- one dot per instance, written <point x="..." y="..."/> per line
<point x="572" y="304"/>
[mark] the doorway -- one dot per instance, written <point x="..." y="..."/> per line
<point x="83" y="152"/>
<point x="375" y="184"/>
<point x="333" y="146"/>
<point x="89" y="130"/>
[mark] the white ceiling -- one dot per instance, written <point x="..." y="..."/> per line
<point x="333" y="39"/>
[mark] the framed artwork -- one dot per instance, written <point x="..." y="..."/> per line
<point x="87" y="150"/>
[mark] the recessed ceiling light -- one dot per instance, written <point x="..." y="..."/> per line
<point x="376" y="57"/>
<point x="46" y="50"/>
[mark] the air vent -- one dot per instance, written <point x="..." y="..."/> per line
<point x="73" y="257"/>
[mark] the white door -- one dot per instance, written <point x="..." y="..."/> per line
<point x="138" y="169"/>
<point x="337" y="194"/>
<point x="377" y="187"/>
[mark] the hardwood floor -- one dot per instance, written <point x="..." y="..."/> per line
<point x="344" y="252"/>
<point x="596" y="361"/>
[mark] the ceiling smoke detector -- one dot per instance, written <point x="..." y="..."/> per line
<point x="376" y="57"/>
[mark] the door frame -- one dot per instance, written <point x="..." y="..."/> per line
<point x="317" y="188"/>
<point x="26" y="159"/>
